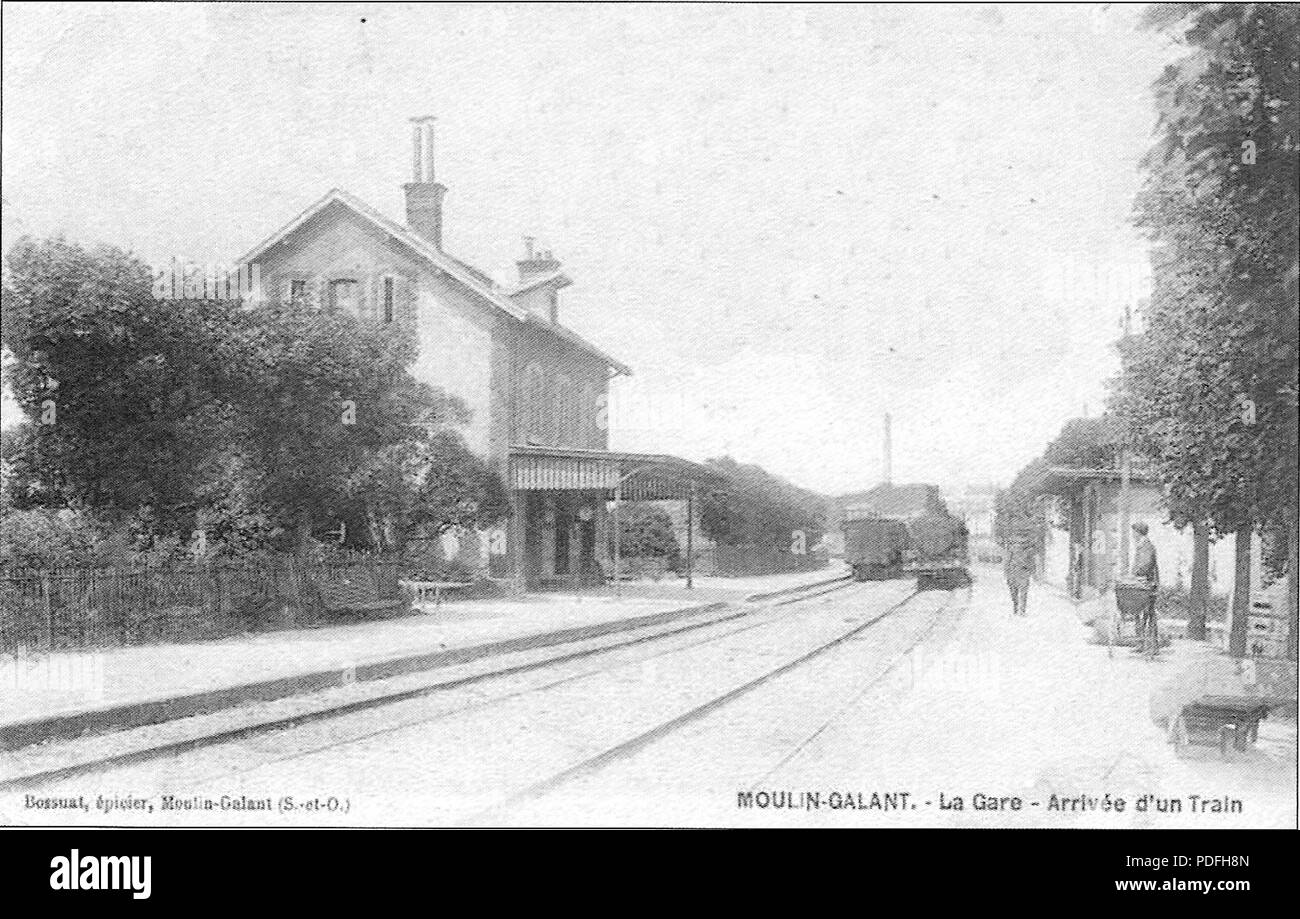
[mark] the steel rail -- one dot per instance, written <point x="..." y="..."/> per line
<point x="594" y="764"/>
<point x="286" y="722"/>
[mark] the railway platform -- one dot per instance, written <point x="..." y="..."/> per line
<point x="67" y="695"/>
<point x="1036" y="707"/>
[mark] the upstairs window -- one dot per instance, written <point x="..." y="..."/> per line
<point x="533" y="402"/>
<point x="298" y="292"/>
<point x="565" y="411"/>
<point x="588" y="420"/>
<point x="345" y="297"/>
<point x="389" y="300"/>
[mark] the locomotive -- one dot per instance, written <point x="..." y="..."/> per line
<point x="940" y="553"/>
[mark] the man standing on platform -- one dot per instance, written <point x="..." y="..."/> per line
<point x="1146" y="567"/>
<point x="1018" y="567"/>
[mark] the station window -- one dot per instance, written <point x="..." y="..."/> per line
<point x="534" y="399"/>
<point x="389" y="304"/>
<point x="565" y="411"/>
<point x="345" y="297"/>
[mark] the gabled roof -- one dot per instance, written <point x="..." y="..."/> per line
<point x="467" y="276"/>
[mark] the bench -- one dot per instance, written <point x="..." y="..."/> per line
<point x="422" y="589"/>
<point x="345" y="596"/>
<point x="1210" y="720"/>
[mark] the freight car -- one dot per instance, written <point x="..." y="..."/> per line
<point x="874" y="546"/>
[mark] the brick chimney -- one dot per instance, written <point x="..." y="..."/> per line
<point x="536" y="263"/>
<point x="423" y="193"/>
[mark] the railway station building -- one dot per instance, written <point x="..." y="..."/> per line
<point x="1085" y="523"/>
<point x="538" y="391"/>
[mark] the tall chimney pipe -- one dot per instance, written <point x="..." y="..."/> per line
<point x="423" y="193"/>
<point x="888" y="462"/>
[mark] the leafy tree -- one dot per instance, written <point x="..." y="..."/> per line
<point x="27" y="480"/>
<point x="254" y="424"/>
<point x="646" y="531"/>
<point x="425" y="486"/>
<point x="42" y="538"/>
<point x="330" y="393"/>
<point x="760" y="509"/>
<point x="336" y="428"/>
<point x="1017" y="518"/>
<point x="122" y="388"/>
<point x="1220" y="205"/>
<point x="1087" y="443"/>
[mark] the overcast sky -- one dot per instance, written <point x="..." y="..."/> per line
<point x="787" y="219"/>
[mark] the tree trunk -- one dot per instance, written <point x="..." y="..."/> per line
<point x="1200" y="590"/>
<point x="1292" y="600"/>
<point x="302" y="534"/>
<point x="1240" y="593"/>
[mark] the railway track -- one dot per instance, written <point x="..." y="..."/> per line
<point x="798" y="748"/>
<point x="630" y="747"/>
<point x="45" y="777"/>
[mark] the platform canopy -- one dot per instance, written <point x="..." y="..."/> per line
<point x="637" y="476"/>
<point x="1062" y="479"/>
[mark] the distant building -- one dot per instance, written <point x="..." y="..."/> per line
<point x="977" y="506"/>
<point x="885" y="500"/>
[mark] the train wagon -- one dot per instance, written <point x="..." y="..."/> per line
<point x="938" y="553"/>
<point x="874" y="547"/>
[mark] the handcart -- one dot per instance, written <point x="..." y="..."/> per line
<point x="1135" y="602"/>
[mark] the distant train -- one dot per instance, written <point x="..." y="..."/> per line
<point x="875" y="546"/>
<point x="940" y="551"/>
<point x="890" y="537"/>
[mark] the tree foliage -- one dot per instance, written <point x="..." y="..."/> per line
<point x="129" y="385"/>
<point x="760" y="509"/>
<point x="1220" y="205"/>
<point x="40" y="538"/>
<point x="1017" y="516"/>
<point x="646" y="531"/>
<point x="254" y="424"/>
<point x="1209" y="389"/>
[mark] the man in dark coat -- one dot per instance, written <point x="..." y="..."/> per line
<point x="1146" y="566"/>
<point x="1018" y="567"/>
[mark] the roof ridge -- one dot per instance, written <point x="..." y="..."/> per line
<point x="449" y="264"/>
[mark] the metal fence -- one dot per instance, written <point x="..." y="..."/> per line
<point x="65" y="608"/>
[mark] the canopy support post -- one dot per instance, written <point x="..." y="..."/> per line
<point x="690" y="537"/>
<point x="618" y="498"/>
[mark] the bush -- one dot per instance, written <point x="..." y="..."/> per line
<point x="1176" y="603"/>
<point x="422" y="560"/>
<point x="44" y="539"/>
<point x="646" y="531"/>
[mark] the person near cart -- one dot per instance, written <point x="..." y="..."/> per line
<point x="1146" y="567"/>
